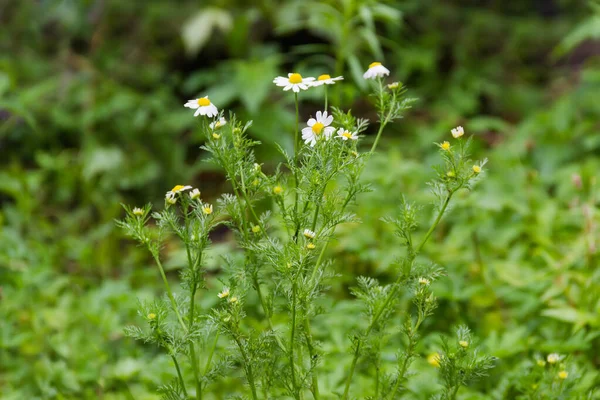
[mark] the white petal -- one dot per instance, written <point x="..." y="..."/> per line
<point x="303" y="86"/>
<point x="198" y="111"/>
<point x="319" y="115"/>
<point x="311" y="122"/>
<point x="308" y="80"/>
<point x="288" y="87"/>
<point x="328" y="120"/>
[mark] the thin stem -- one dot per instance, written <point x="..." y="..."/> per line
<point x="392" y="293"/>
<point x="181" y="382"/>
<point x="292" y="334"/>
<point x="248" y="367"/>
<point x="297" y="126"/>
<point x="325" y="85"/>
<point x="455" y="392"/>
<point x="212" y="350"/>
<point x="311" y="353"/>
<point x="196" y="372"/>
<point x="410" y="347"/>
<point x="168" y="288"/>
<point x="266" y="311"/>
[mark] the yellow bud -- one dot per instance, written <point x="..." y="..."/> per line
<point x="277" y="189"/>
<point x="434" y="359"/>
<point x="256" y="229"/>
<point x="464" y="343"/>
<point x="476" y="169"/>
<point x="151" y="316"/>
<point x="563" y="374"/>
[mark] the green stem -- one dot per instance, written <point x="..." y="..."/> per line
<point x="325" y="96"/>
<point x="212" y="351"/>
<point x="392" y="293"/>
<point x="248" y="367"/>
<point x="297" y="126"/>
<point x="266" y="311"/>
<point x="181" y="382"/>
<point x="196" y="372"/>
<point x="410" y="347"/>
<point x="455" y="392"/>
<point x="311" y="353"/>
<point x="292" y="334"/>
<point x="168" y="288"/>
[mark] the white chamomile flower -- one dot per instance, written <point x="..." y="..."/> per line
<point x="345" y="135"/>
<point x="309" y="234"/>
<point x="217" y="124"/>
<point x="178" y="188"/>
<point x="294" y="81"/>
<point x="203" y="106"/>
<point x="458" y="132"/>
<point x="194" y="194"/>
<point x="138" y="211"/>
<point x="170" y="198"/>
<point x="553" y="358"/>
<point x="326" y="80"/>
<point x="317" y="127"/>
<point x="224" y="293"/>
<point x="376" y="70"/>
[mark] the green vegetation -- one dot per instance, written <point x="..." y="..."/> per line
<point x="91" y="104"/>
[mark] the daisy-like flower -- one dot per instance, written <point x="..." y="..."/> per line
<point x="311" y="246"/>
<point x="445" y="146"/>
<point x="424" y="281"/>
<point x="178" y="189"/>
<point x="393" y="85"/>
<point x="151" y="316"/>
<point x="316" y="127"/>
<point x="233" y="299"/>
<point x="203" y="106"/>
<point x="476" y="169"/>
<point x="434" y="359"/>
<point x="376" y="70"/>
<point x="194" y="194"/>
<point x="563" y="374"/>
<point x="553" y="358"/>
<point x="464" y="343"/>
<point x="224" y="293"/>
<point x="170" y="198"/>
<point x="294" y="81"/>
<point x="457" y="132"/>
<point x="217" y="124"/>
<point x="309" y="234"/>
<point x="277" y="190"/>
<point x="345" y="135"/>
<point x="326" y="80"/>
<point x="138" y="211"/>
<point x="207" y="209"/>
<point x="256" y="229"/>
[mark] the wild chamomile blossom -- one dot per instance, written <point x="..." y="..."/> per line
<point x="224" y="293"/>
<point x="553" y="358"/>
<point x="476" y="168"/>
<point x="326" y="80"/>
<point x="194" y="194"/>
<point x="309" y="234"/>
<point x="458" y="132"/>
<point x="376" y="70"/>
<point x="203" y="106"/>
<point x="317" y="127"/>
<point x="294" y="81"/>
<point x="445" y="146"/>
<point x="345" y="134"/>
<point x="138" y="211"/>
<point x="207" y="209"/>
<point x="217" y="124"/>
<point x="171" y="196"/>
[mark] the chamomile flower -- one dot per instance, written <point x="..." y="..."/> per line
<point x="464" y="344"/>
<point x="203" y="106"/>
<point x="434" y="359"/>
<point x="424" y="281"/>
<point x="194" y="194"/>
<point x="277" y="190"/>
<point x="294" y="81"/>
<point x="224" y="293"/>
<point x="309" y="234"/>
<point x="170" y="198"/>
<point x="318" y="127"/>
<point x="326" y="80"/>
<point x="563" y="374"/>
<point x="476" y="169"/>
<point x="217" y="124"/>
<point x="393" y="85"/>
<point x="345" y="135"/>
<point x="310" y="246"/>
<point x="445" y="146"/>
<point x="553" y="358"/>
<point x="207" y="209"/>
<point x="179" y="188"/>
<point x="376" y="70"/>
<point x="457" y="132"/>
<point x="138" y="211"/>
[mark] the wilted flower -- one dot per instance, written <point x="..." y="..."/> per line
<point x="203" y="106"/>
<point x="294" y="81"/>
<point x="316" y="127"/>
<point x="326" y="80"/>
<point x="458" y="132"/>
<point x="376" y="70"/>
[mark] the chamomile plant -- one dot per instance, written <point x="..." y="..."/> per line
<point x="282" y="224"/>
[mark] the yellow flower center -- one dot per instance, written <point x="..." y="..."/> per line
<point x="317" y="128"/>
<point x="203" y="102"/>
<point x="374" y="64"/>
<point x="323" y="77"/>
<point x="295" y="78"/>
<point x="216" y="135"/>
<point x="151" y="316"/>
<point x="446" y="146"/>
<point x="177" y="188"/>
<point x="347" y="135"/>
<point x="476" y="169"/>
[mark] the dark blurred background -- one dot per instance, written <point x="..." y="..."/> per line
<point x="91" y="115"/>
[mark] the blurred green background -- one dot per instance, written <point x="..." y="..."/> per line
<point x="91" y="115"/>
